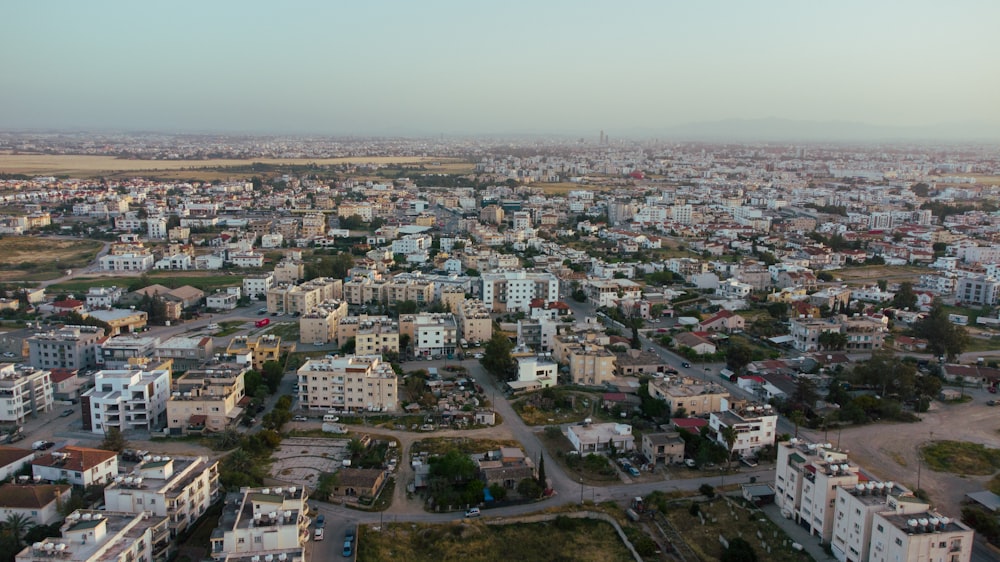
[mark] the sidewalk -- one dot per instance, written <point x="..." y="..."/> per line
<point x="811" y="544"/>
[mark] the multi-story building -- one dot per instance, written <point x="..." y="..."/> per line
<point x="514" y="290"/>
<point x="126" y="399"/>
<point x="978" y="290"/>
<point x="375" y="338"/>
<point x="126" y="262"/>
<point x="917" y="537"/>
<point x="178" y="488"/>
<point x="807" y="476"/>
<point x="103" y="297"/>
<point x="474" y="321"/>
<point x="694" y="398"/>
<point x="121" y="352"/>
<point x="288" y="272"/>
<point x="70" y="347"/>
<point x="80" y="466"/>
<point x="304" y="298"/>
<point x="538" y="333"/>
<point x="313" y="225"/>
<point x="431" y="334"/>
<point x="863" y="334"/>
<point x="320" y="325"/>
<point x="263" y="348"/>
<point x="186" y="353"/>
<point x="452" y="298"/>
<point x="23" y="390"/>
<point x="535" y="372"/>
<point x="855" y="510"/>
<point x="605" y="292"/>
<point x="267" y="522"/>
<point x="420" y="291"/>
<point x="348" y="327"/>
<point x="353" y="383"/>
<point x="591" y="365"/>
<point x="756" y="427"/>
<point x="103" y="536"/>
<point x="256" y="285"/>
<point x="207" y="399"/>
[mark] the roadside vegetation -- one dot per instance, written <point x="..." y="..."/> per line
<point x="959" y="457"/>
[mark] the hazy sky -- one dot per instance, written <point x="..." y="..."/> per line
<point x="468" y="66"/>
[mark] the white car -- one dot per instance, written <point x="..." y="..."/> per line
<point x="8" y="354"/>
<point x="478" y="356"/>
<point x="300" y="418"/>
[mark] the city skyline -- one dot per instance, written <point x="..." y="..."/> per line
<point x="647" y="69"/>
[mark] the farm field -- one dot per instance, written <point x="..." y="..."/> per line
<point x="83" y="165"/>
<point x="27" y="258"/>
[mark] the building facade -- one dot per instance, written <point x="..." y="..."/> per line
<point x="126" y="399"/>
<point x="353" y="383"/>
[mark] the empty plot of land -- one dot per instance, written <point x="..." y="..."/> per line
<point x="871" y="273"/>
<point x="304" y="459"/>
<point x="30" y="258"/>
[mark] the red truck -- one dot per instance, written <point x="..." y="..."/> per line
<point x="262" y="323"/>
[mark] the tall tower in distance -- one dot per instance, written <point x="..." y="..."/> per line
<point x="601" y="142"/>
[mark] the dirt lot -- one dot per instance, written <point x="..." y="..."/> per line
<point x="28" y="257"/>
<point x="867" y="274"/>
<point x="889" y="451"/>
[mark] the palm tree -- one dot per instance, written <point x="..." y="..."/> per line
<point x="729" y="435"/>
<point x="241" y="461"/>
<point x="17" y="525"/>
<point x="798" y="418"/>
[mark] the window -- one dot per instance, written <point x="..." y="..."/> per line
<point x="258" y="539"/>
<point x="899" y="541"/>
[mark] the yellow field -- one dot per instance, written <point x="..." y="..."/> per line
<point x="562" y="188"/>
<point x="28" y="258"/>
<point x="82" y="165"/>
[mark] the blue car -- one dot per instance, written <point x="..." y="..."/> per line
<point x="320" y="520"/>
<point x="348" y="549"/>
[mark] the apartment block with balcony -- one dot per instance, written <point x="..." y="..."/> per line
<point x="121" y="352"/>
<point x="103" y="536"/>
<point x="375" y="338"/>
<point x="126" y="399"/>
<point x="474" y="321"/>
<point x="917" y="537"/>
<point x="695" y="398"/>
<point x="353" y="383"/>
<point x="431" y="334"/>
<point x="320" y="325"/>
<point x="263" y="348"/>
<point x="211" y="398"/>
<point x="863" y="333"/>
<point x="756" y="427"/>
<point x="855" y="510"/>
<point x="514" y="290"/>
<point x="262" y="522"/>
<point x="807" y="477"/>
<point x="348" y="327"/>
<point x="178" y="488"/>
<point x="24" y="390"/>
<point x="70" y="347"/>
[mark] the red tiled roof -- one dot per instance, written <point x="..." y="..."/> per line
<point x="689" y="423"/>
<point x="78" y="459"/>
<point x="35" y="496"/>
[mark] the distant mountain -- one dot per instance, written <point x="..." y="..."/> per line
<point x="775" y="129"/>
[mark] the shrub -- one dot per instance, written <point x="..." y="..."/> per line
<point x="707" y="490"/>
<point x="694" y="509"/>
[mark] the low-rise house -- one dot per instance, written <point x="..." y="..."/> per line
<point x="80" y="466"/>
<point x="723" y="321"/>
<point x="359" y="482"/>
<point x="699" y="344"/>
<point x="638" y="362"/>
<point x="600" y="437"/>
<point x="666" y="448"/>
<point x="13" y="460"/>
<point x="505" y="467"/>
<point x="38" y="503"/>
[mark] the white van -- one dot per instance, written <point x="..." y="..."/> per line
<point x="331" y="418"/>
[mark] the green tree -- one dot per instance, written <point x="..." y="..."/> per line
<point x="17" y="525"/>
<point x="738" y="355"/>
<point x="943" y="337"/>
<point x="272" y="372"/>
<point x="905" y="297"/>
<point x="407" y="307"/>
<point x="797" y="418"/>
<point x="529" y="488"/>
<point x="739" y="550"/>
<point x="729" y="436"/>
<point x="114" y="440"/>
<point x="497" y="358"/>
<point x="542" y="481"/>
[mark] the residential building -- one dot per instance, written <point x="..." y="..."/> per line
<point x="919" y="536"/>
<point x="38" y="503"/>
<point x="807" y="476"/>
<point x="863" y="334"/>
<point x="600" y="437"/>
<point x="121" y="320"/>
<point x="70" y="347"/>
<point x="538" y="333"/>
<point x="261" y="349"/>
<point x="695" y="399"/>
<point x="289" y="271"/>
<point x="211" y="398"/>
<point x="256" y="285"/>
<point x="431" y="334"/>
<point x="126" y="399"/>
<point x="187" y="353"/>
<point x="855" y="510"/>
<point x="122" y="352"/>
<point x="606" y="292"/>
<point x="733" y="288"/>
<point x="723" y="321"/>
<point x="80" y="466"/>
<point x="262" y="522"/>
<point x="514" y="290"/>
<point x="223" y="300"/>
<point x="126" y="262"/>
<point x="474" y="321"/>
<point x="376" y="338"/>
<point x="535" y="372"/>
<point x="505" y="467"/>
<point x="833" y="298"/>
<point x="978" y="290"/>
<point x="103" y="297"/>
<point x="320" y="325"/>
<point x="348" y="327"/>
<point x="756" y="427"/>
<point x="24" y="390"/>
<point x="13" y="460"/>
<point x="353" y="383"/>
<point x="635" y="362"/>
<point x="304" y="298"/>
<point x="666" y="447"/>
<point x="178" y="488"/>
<point x="591" y="365"/>
<point x="104" y="536"/>
<point x="696" y="341"/>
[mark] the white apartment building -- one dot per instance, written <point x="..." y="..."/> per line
<point x="156" y="228"/>
<point x="606" y="292"/>
<point x="353" y="383"/>
<point x="978" y="290"/>
<point x="126" y="399"/>
<point x="430" y="334"/>
<point x="126" y="262"/>
<point x="514" y="290"/>
<point x="919" y="537"/>
<point x="178" y="488"/>
<point x="412" y="244"/>
<point x="255" y="286"/>
<point x="541" y="370"/>
<point x="756" y="426"/>
<point x="23" y="390"/>
<point x="103" y="297"/>
<point x="734" y="289"/>
<point x="269" y="523"/>
<point x="807" y="477"/>
<point x="103" y="536"/>
<point x="855" y="510"/>
<point x="246" y="259"/>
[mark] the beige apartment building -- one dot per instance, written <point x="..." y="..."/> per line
<point x="697" y="399"/>
<point x="304" y="298"/>
<point x="207" y="399"/>
<point x="375" y="338"/>
<point x="260" y="349"/>
<point x="474" y="321"/>
<point x="348" y="327"/>
<point x="591" y="365"/>
<point x="452" y="298"/>
<point x="353" y="383"/>
<point x="320" y="325"/>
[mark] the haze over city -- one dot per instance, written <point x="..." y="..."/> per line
<point x="854" y="70"/>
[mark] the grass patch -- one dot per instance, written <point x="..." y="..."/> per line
<point x="287" y="331"/>
<point x="555" y="406"/>
<point x="994" y="485"/>
<point x="960" y="457"/>
<point x="720" y="520"/>
<point x="582" y="540"/>
<point x="593" y="471"/>
<point x="230" y="327"/>
<point x="441" y="445"/>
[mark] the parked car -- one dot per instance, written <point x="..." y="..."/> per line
<point x="633" y="471"/>
<point x="8" y="354"/>
<point x="348" y="549"/>
<point x="685" y="364"/>
<point x="67" y="412"/>
<point x="320" y="521"/>
<point x="42" y="445"/>
<point x="318" y="534"/>
<point x="473" y="512"/>
<point x="300" y="418"/>
<point x="991" y="403"/>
